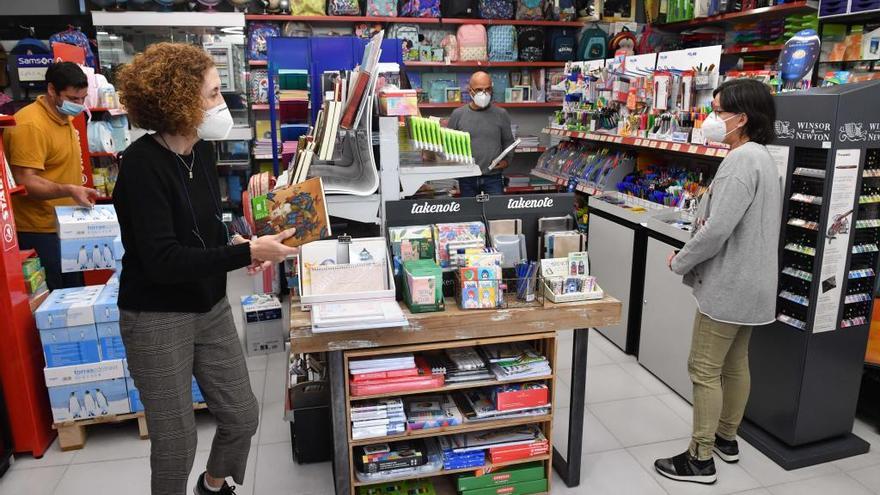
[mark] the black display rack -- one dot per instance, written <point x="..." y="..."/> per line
<point x="807" y="366"/>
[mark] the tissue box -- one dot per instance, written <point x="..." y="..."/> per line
<point x="264" y="327"/>
<point x="68" y="308"/>
<point x="79" y="223"/>
<point x="105" y="308"/>
<point x="83" y="254"/>
<point x="70" y="346"/>
<point x="87" y="390"/>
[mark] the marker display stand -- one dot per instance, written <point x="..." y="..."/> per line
<point x="807" y="366"/>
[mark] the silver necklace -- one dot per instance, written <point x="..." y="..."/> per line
<point x="189" y="168"/>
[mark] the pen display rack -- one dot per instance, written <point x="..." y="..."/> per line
<point x="861" y="277"/>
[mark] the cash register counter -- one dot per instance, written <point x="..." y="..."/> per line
<point x="434" y="330"/>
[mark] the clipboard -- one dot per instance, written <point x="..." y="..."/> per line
<point x="504" y="153"/>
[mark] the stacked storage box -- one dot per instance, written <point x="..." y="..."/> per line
<point x="87" y="237"/>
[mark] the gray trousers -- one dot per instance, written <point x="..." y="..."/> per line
<point x="164" y="351"/>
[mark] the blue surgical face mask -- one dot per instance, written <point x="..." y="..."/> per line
<point x="71" y="108"/>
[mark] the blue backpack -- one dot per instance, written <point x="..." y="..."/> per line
<point x="500" y="83"/>
<point x="502" y="43"/>
<point x="76" y="37"/>
<point x="593" y="44"/>
<point x="561" y="45"/>
<point x="496" y="9"/>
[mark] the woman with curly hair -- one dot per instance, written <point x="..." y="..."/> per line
<point x="175" y="318"/>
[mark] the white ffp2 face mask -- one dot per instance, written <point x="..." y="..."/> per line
<point x="715" y="128"/>
<point x="482" y="99"/>
<point x="217" y="123"/>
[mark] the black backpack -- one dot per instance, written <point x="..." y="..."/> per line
<point x="561" y="44"/>
<point x="458" y="8"/>
<point x="530" y="43"/>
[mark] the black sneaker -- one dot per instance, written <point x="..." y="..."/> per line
<point x="727" y="450"/>
<point x="683" y="467"/>
<point x="200" y="489"/>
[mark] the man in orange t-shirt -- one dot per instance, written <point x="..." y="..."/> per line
<point x="44" y="152"/>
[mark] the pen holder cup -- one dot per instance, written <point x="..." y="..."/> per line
<point x="497" y="293"/>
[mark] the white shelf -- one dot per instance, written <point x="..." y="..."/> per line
<point x="358" y="208"/>
<point x="412" y="178"/>
<point x="170" y="19"/>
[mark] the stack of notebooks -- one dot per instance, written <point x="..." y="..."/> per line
<point x="462" y="364"/>
<point x="293" y="96"/>
<point x="389" y="374"/>
<point x="540" y="446"/>
<point x="453" y="459"/>
<point x="377" y="418"/>
<point x="263" y="138"/>
<point x="515" y="360"/>
<point x="468" y="450"/>
<point x="431" y="411"/>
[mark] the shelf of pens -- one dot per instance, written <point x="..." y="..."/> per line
<point x="800" y="238"/>
<point x="859" y="287"/>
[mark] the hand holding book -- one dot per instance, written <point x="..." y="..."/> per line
<point x="270" y="249"/>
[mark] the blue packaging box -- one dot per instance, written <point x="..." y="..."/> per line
<point x="79" y="255"/>
<point x="134" y="396"/>
<point x="75" y="222"/>
<point x="70" y="346"/>
<point x="68" y="308"/>
<point x="87" y="391"/>
<point x="105" y="307"/>
<point x="110" y="341"/>
<point x="118" y="249"/>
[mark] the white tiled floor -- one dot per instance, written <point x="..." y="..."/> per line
<point x="631" y="419"/>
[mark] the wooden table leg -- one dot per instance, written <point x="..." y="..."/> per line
<point x="339" y="423"/>
<point x="569" y="466"/>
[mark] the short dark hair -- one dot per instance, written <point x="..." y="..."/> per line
<point x="752" y="98"/>
<point x="65" y="75"/>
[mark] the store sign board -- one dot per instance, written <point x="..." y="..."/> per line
<point x="32" y="68"/>
<point x="836" y="239"/>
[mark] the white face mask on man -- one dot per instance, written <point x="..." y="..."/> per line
<point x="482" y="99"/>
<point x="216" y="124"/>
<point x="715" y="128"/>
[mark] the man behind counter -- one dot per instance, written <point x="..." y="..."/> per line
<point x="489" y="127"/>
<point x="44" y="154"/>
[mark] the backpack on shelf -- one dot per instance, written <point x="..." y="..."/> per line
<point x="343" y="7"/>
<point x="561" y="44"/>
<point x="496" y="9"/>
<point x="560" y="10"/>
<point x="530" y="10"/>
<point x="382" y="8"/>
<point x="500" y="83"/>
<point x="308" y="7"/>
<point x="624" y="40"/>
<point x="75" y="37"/>
<point x="586" y="10"/>
<point x="297" y="29"/>
<point x="100" y="137"/>
<point x="593" y="44"/>
<point x="450" y="48"/>
<point x="530" y="43"/>
<point x="459" y="8"/>
<point x="420" y="8"/>
<point x="258" y="39"/>
<point x="409" y="37"/>
<point x="472" y="43"/>
<point x="502" y="43"/>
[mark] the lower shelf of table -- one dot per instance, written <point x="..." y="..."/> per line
<point x="451" y="430"/>
<point x="443" y="474"/>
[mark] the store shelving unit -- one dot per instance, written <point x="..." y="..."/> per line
<point x="487" y="65"/>
<point x="525" y="104"/>
<point x="695" y="150"/>
<point x="745" y="50"/>
<point x="21" y="356"/>
<point x="781" y="10"/>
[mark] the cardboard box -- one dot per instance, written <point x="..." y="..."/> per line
<point x="514" y="474"/>
<point x="70" y="346"/>
<point x="118" y="248"/>
<point x="521" y="399"/>
<point x="80" y="223"/>
<point x="84" y="254"/>
<point x="264" y="327"/>
<point x="134" y="395"/>
<point x="105" y="308"/>
<point x="110" y="340"/>
<point x="68" y="308"/>
<point x="87" y="391"/>
<point x="524" y="488"/>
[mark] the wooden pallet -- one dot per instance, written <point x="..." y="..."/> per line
<point x="72" y="434"/>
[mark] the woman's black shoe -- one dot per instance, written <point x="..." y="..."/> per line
<point x="683" y="467"/>
<point x="200" y="489"/>
<point x="727" y="450"/>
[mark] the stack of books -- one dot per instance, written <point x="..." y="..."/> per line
<point x="515" y="361"/>
<point x="453" y="459"/>
<point x="431" y="411"/>
<point x="383" y="457"/>
<point x="478" y="405"/>
<point x="465" y="450"/>
<point x="389" y="374"/>
<point x="377" y="418"/>
<point x="540" y="446"/>
<point x="462" y="364"/>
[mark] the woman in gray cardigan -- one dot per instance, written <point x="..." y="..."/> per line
<point x="731" y="263"/>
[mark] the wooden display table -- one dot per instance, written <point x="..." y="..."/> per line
<point x="439" y="330"/>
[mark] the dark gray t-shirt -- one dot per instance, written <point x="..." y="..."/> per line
<point x="489" y="129"/>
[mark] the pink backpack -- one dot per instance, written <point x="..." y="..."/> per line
<point x="449" y="43"/>
<point x="472" y="43"/>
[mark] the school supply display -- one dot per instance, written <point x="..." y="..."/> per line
<point x="301" y="206"/>
<point x="515" y="360"/>
<point x="451" y="239"/>
<point x="482" y="403"/>
<point x="501" y="437"/>
<point x="460" y="460"/>
<point x="425" y="379"/>
<point x="518" y="452"/>
<point x="428" y="135"/>
<point x="568" y="279"/>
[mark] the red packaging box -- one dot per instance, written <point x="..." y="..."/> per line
<point x="522" y="399"/>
